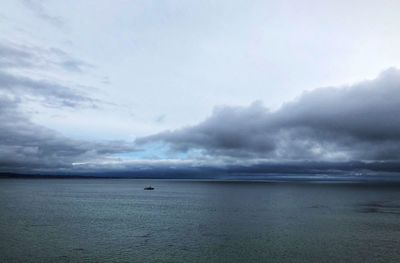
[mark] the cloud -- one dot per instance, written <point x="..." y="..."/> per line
<point x="11" y="56"/>
<point x="49" y="93"/>
<point x="17" y="56"/>
<point x="67" y="62"/>
<point x="38" y="9"/>
<point x="26" y="147"/>
<point x="16" y="59"/>
<point x="160" y="118"/>
<point x="356" y="122"/>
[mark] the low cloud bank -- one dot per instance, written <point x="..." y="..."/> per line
<point x="358" y="122"/>
<point x="26" y="147"/>
<point x="352" y="130"/>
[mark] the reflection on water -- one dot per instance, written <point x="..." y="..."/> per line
<point x="390" y="207"/>
<point x="108" y="220"/>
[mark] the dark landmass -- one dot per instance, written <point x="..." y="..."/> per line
<point x="304" y="171"/>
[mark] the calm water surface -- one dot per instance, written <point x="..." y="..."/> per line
<point x="77" y="220"/>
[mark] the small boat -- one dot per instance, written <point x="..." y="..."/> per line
<point x="149" y="188"/>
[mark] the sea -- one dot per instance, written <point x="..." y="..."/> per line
<point x="116" y="220"/>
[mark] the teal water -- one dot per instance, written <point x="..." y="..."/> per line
<point x="96" y="220"/>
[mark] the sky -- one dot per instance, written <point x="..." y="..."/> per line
<point x="128" y="86"/>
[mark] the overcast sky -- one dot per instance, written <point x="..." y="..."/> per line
<point x="127" y="83"/>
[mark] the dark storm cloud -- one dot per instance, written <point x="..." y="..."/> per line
<point x="358" y="122"/>
<point x="26" y="147"/>
<point x="229" y="131"/>
<point x="39" y="10"/>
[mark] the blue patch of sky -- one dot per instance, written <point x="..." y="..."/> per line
<point x="158" y="151"/>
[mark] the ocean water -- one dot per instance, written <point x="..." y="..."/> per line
<point x="115" y="220"/>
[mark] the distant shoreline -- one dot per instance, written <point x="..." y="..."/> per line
<point x="275" y="179"/>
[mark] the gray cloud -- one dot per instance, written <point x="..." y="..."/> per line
<point x="357" y="122"/>
<point x="160" y="118"/>
<point x="49" y="93"/>
<point x="11" y="57"/>
<point x="352" y="129"/>
<point x="38" y="9"/>
<point x="67" y="62"/>
<point x="28" y="147"/>
<point x="15" y="56"/>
